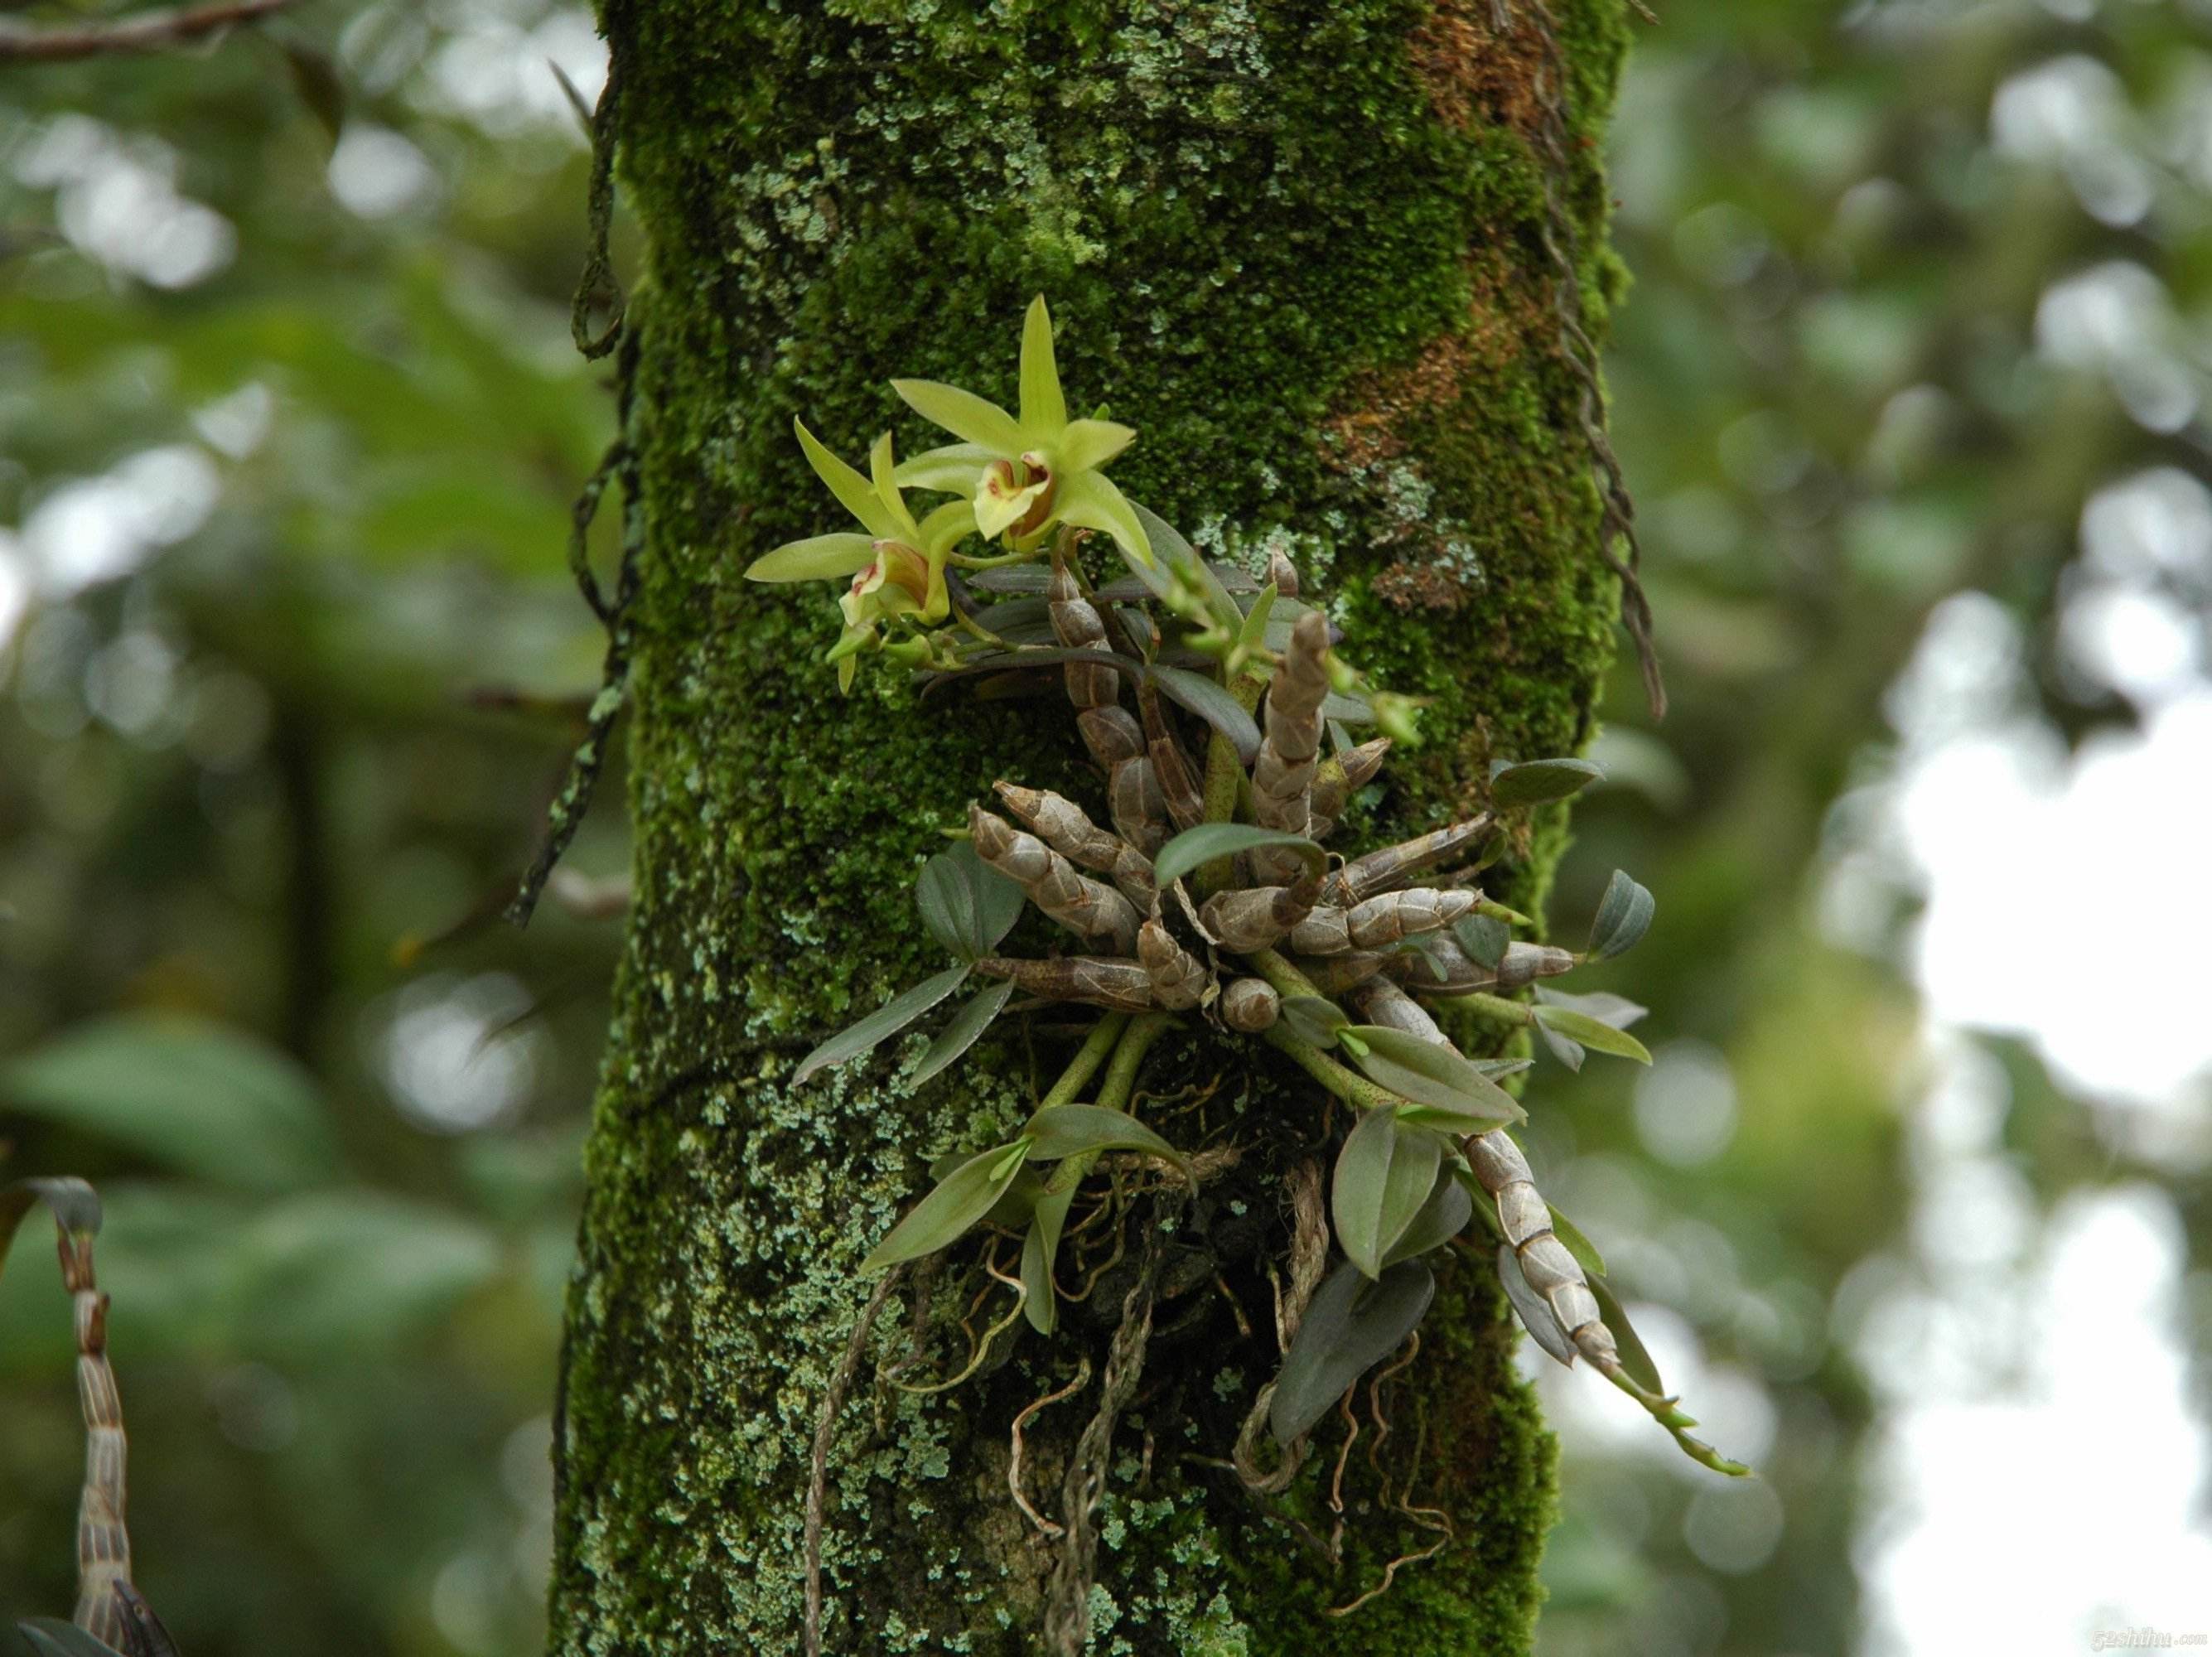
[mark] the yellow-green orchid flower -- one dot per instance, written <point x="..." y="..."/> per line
<point x="1025" y="474"/>
<point x="897" y="568"/>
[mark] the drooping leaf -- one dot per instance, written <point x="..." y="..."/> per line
<point x="189" y="1093"/>
<point x="1021" y="581"/>
<point x="1383" y="1175"/>
<point x="1567" y="1051"/>
<point x="969" y="1024"/>
<point x="1350" y="1326"/>
<point x="1342" y="710"/>
<point x="1443" y="1217"/>
<point x="1581" y="1027"/>
<point x="1209" y="582"/>
<point x="885" y="1021"/>
<point x="1583" y="1250"/>
<point x="1603" y="1005"/>
<point x="1434" y="1076"/>
<point x="967" y="905"/>
<point x="1194" y="848"/>
<point x="947" y="1213"/>
<point x="1205" y="697"/>
<point x="73" y="1203"/>
<point x="1538" y="782"/>
<point x="1624" y="915"/>
<point x="1063" y="1131"/>
<point x="1484" y="938"/>
<point x="49" y="1638"/>
<point x="1233" y="577"/>
<point x="1314" y="1018"/>
<point x="1634" y="1357"/>
<point x="1040" y="1304"/>
<point x="1536" y="1314"/>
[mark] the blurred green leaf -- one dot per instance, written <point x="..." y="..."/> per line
<point x="1350" y="1326"/>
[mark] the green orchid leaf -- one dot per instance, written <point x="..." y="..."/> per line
<point x="952" y="1210"/>
<point x="856" y="494"/>
<point x="818" y="558"/>
<point x="1044" y="410"/>
<point x="966" y="415"/>
<point x="1442" y="1217"/>
<point x="1484" y="938"/>
<point x="1040" y="1301"/>
<point x="1538" y="782"/>
<point x="967" y="905"/>
<point x="74" y="1205"/>
<point x="1087" y="445"/>
<point x="1581" y="1027"/>
<point x="1536" y="1314"/>
<point x="1058" y="1131"/>
<point x="1350" y="1326"/>
<point x="1384" y="1176"/>
<point x="1204" y="696"/>
<point x="1314" y="1018"/>
<point x="49" y="1638"/>
<point x="1253" y="636"/>
<point x="956" y="469"/>
<point x="1624" y="915"/>
<point x="1091" y="500"/>
<point x="1194" y="848"/>
<point x="1430" y="1074"/>
<point x="1198" y="575"/>
<point x="1605" y="1007"/>
<point x="1634" y="1356"/>
<point x="1583" y="1250"/>
<point x="1567" y="1051"/>
<point x="887" y="1021"/>
<point x="962" y="1034"/>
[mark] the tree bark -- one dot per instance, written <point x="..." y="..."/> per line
<point x="1301" y="248"/>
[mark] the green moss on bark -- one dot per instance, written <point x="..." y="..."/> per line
<point x="1308" y="269"/>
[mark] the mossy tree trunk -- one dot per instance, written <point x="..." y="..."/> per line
<point x="1299" y="246"/>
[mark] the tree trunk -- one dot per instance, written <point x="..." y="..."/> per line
<point x="1301" y="246"/>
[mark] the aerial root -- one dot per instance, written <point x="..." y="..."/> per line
<point x="1045" y="1527"/>
<point x="981" y="1344"/>
<point x="841" y="1382"/>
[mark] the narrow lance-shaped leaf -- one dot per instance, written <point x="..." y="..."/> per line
<point x="49" y="1638"/>
<point x="1194" y="848"/>
<point x="1538" y="782"/>
<point x="946" y="1214"/>
<point x="1581" y="1028"/>
<point x="968" y="1024"/>
<point x="1624" y="915"/>
<point x="1314" y="1018"/>
<point x="886" y="1022"/>
<point x="1063" y="1131"/>
<point x="1484" y="938"/>
<point x="1583" y="1250"/>
<point x="1205" y="697"/>
<point x="1634" y="1357"/>
<point x="1384" y="1176"/>
<point x="967" y="905"/>
<point x="1433" y="1077"/>
<point x="1443" y="1217"/>
<point x="1350" y="1326"/>
<point x="1536" y="1314"/>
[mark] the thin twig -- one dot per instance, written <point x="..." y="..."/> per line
<point x="841" y="1382"/>
<point x="152" y="31"/>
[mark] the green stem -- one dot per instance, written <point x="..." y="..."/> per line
<point x="1121" y="1075"/>
<point x="968" y="561"/>
<point x="1275" y="967"/>
<point x="1498" y="1007"/>
<point x="1355" y="1090"/>
<point x="1080" y="1069"/>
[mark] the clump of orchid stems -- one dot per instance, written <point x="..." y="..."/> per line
<point x="1220" y="717"/>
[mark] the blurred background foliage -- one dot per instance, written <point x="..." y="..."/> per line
<point x="1908" y="387"/>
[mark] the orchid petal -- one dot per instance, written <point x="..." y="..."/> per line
<point x="1044" y="410"/>
<point x="964" y="414"/>
<point x="1087" y="445"/>
<point x="818" y="558"/>
<point x="1090" y="501"/>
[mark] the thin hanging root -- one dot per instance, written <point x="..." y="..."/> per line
<point x="1092" y="981"/>
<point x="1283" y="775"/>
<point x="1067" y="1604"/>
<point x="1179" y="788"/>
<point x="1336" y="779"/>
<point x="1309" y="1248"/>
<point x="1177" y="978"/>
<point x="1076" y="621"/>
<point x="1077" y="902"/>
<point x="1379" y="922"/>
<point x="1245" y="1457"/>
<point x="1390" y="1576"/>
<point x="833" y="1401"/>
<point x="1364" y="876"/>
<point x="1046" y="1527"/>
<point x="1250" y="918"/>
<point x="1061" y="823"/>
<point x="982" y="1343"/>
